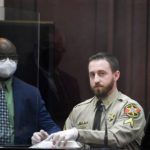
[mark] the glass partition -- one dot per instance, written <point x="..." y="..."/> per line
<point x="22" y="28"/>
<point x="34" y="41"/>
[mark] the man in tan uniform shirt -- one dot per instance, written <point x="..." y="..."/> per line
<point x="125" y="117"/>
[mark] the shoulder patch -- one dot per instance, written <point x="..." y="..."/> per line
<point x="130" y="121"/>
<point x="132" y="111"/>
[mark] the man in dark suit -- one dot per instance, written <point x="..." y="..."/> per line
<point x="26" y="109"/>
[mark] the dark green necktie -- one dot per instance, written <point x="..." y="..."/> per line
<point x="97" y="119"/>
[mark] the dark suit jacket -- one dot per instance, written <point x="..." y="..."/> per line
<point x="30" y="114"/>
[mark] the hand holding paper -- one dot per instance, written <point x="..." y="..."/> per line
<point x="39" y="136"/>
<point x="49" y="145"/>
<point x="67" y="135"/>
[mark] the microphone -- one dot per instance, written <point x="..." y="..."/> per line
<point x="106" y="132"/>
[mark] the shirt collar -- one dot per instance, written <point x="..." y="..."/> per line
<point x="109" y="99"/>
<point x="7" y="84"/>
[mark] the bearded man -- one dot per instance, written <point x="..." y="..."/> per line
<point x="87" y="122"/>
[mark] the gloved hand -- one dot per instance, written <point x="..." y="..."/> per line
<point x="39" y="136"/>
<point x="56" y="138"/>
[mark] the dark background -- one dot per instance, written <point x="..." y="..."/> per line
<point x="121" y="27"/>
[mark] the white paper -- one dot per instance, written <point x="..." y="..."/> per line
<point x="43" y="144"/>
<point x="49" y="144"/>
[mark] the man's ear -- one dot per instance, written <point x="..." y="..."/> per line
<point x="116" y="75"/>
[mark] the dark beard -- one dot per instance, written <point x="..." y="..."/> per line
<point x="104" y="92"/>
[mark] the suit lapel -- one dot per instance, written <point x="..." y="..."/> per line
<point x="17" y="106"/>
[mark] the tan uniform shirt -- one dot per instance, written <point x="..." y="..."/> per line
<point x="125" y="120"/>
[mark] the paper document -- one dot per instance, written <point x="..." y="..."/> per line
<point x="49" y="144"/>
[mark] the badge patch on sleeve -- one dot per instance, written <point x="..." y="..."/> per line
<point x="130" y="121"/>
<point x="132" y="111"/>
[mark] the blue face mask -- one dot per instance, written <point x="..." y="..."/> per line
<point x="7" y="67"/>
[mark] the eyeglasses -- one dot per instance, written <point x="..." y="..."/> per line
<point x="13" y="57"/>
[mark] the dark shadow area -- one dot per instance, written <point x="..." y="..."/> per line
<point x="145" y="145"/>
<point x="59" y="89"/>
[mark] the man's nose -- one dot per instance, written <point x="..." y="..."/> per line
<point x="97" y="78"/>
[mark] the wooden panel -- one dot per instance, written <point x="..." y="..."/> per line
<point x="147" y="99"/>
<point x="122" y="42"/>
<point x="121" y="27"/>
<point x="75" y="20"/>
<point x="139" y="50"/>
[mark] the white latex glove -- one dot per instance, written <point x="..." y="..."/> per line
<point x="64" y="136"/>
<point x="39" y="136"/>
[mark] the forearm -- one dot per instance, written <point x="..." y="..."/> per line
<point x="115" y="139"/>
<point x="91" y="137"/>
